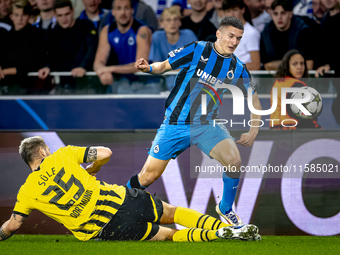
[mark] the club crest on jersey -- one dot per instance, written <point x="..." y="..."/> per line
<point x="156" y="149"/>
<point x="131" y="40"/>
<point x="116" y="39"/>
<point x="230" y="74"/>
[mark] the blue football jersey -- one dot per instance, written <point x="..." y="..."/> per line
<point x="202" y="67"/>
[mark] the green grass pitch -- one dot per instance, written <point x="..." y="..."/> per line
<point x="55" y="244"/>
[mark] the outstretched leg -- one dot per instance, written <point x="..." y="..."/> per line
<point x="151" y="171"/>
<point x="227" y="153"/>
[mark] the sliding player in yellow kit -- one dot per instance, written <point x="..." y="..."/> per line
<point x="61" y="189"/>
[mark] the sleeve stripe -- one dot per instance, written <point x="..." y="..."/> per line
<point x="21" y="214"/>
<point x="85" y="154"/>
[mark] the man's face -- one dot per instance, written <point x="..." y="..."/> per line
<point x="198" y="5"/>
<point x="19" y="19"/>
<point x="65" y="17"/>
<point x="47" y="151"/>
<point x="329" y="4"/>
<point x="122" y="11"/>
<point x="171" y="23"/>
<point x="91" y="6"/>
<point x="319" y="8"/>
<point x="45" y="5"/>
<point x="234" y="12"/>
<point x="229" y="38"/>
<point x="281" y="18"/>
<point x="5" y="7"/>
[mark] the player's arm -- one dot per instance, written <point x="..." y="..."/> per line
<point x="157" y="67"/>
<point x="99" y="156"/>
<point x="11" y="226"/>
<point x="247" y="139"/>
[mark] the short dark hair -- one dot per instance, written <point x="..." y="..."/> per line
<point x="231" y="21"/>
<point x="283" y="69"/>
<point x="227" y="4"/>
<point x="287" y="5"/>
<point x="29" y="148"/>
<point x="62" y="3"/>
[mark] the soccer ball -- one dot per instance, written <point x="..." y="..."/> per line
<point x="314" y="105"/>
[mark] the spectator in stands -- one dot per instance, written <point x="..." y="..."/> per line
<point x="125" y="40"/>
<point x="331" y="52"/>
<point x="248" y="51"/>
<point x="92" y="12"/>
<point x="216" y="14"/>
<point x="46" y="20"/>
<point x="198" y="23"/>
<point x="283" y="33"/>
<point x="23" y="52"/>
<point x="71" y="46"/>
<point x="5" y="22"/>
<point x="141" y="11"/>
<point x="258" y="14"/>
<point x="170" y="38"/>
<point x="319" y="10"/>
<point x="5" y="8"/>
<point x="289" y="74"/>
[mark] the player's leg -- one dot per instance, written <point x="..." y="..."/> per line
<point x="227" y="153"/>
<point x="169" y="142"/>
<point x="189" y="218"/>
<point x="151" y="171"/>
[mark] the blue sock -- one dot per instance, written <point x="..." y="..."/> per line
<point x="229" y="193"/>
<point x="129" y="185"/>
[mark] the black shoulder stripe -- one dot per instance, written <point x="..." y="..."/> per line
<point x="21" y="214"/>
<point x="85" y="154"/>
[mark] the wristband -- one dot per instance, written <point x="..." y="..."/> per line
<point x="150" y="69"/>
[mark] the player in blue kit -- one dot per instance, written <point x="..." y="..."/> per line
<point x="202" y="66"/>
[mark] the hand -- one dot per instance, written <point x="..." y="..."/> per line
<point x="43" y="72"/>
<point x="322" y="70"/>
<point x="78" y="72"/>
<point x="106" y="78"/>
<point x="92" y="169"/>
<point x="246" y="139"/>
<point x="103" y="69"/>
<point x="2" y="75"/>
<point x="142" y="65"/>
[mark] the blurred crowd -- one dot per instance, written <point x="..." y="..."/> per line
<point x="107" y="37"/>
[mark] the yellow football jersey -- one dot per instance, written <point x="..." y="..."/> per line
<point x="65" y="192"/>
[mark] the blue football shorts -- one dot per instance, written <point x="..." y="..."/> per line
<point x="172" y="140"/>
